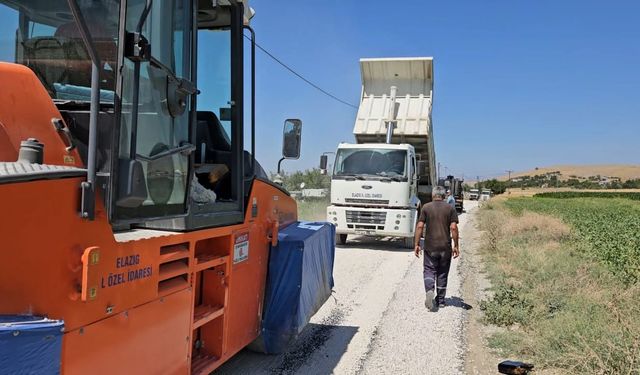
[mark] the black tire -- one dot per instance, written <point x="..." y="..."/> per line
<point x="341" y="239"/>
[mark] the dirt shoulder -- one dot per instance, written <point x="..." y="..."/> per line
<point x="478" y="358"/>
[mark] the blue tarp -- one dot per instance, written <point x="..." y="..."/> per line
<point x="30" y="345"/>
<point x="299" y="281"/>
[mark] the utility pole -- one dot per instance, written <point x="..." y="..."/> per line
<point x="509" y="171"/>
<point x="478" y="181"/>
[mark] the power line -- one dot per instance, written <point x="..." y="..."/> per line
<point x="303" y="78"/>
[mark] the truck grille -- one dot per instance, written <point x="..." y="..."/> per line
<point x="366" y="217"/>
<point x="367" y="201"/>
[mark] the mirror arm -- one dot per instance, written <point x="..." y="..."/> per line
<point x="280" y="162"/>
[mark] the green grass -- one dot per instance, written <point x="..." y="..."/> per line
<point x="313" y="209"/>
<point x="563" y="304"/>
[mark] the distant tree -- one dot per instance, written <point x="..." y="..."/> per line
<point x="312" y="179"/>
<point x="498" y="187"/>
<point x="631" y="184"/>
<point x="615" y="184"/>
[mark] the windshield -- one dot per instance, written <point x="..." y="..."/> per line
<point x="43" y="36"/>
<point x="376" y="162"/>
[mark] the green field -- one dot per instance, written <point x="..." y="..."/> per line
<point x="608" y="228"/>
<point x="590" y="194"/>
<point x="564" y="275"/>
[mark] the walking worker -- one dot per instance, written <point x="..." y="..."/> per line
<point x="438" y="224"/>
<point x="450" y="199"/>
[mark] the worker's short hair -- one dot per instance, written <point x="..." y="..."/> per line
<point x="438" y="192"/>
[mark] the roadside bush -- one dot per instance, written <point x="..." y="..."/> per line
<point x="313" y="209"/>
<point x="507" y="307"/>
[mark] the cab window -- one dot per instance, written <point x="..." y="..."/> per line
<point x="155" y="126"/>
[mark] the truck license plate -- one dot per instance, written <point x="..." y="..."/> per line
<point x="365" y="232"/>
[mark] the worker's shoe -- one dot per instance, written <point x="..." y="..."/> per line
<point x="430" y="302"/>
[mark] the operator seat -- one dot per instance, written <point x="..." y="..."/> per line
<point x="210" y="136"/>
<point x="213" y="146"/>
<point x="47" y="57"/>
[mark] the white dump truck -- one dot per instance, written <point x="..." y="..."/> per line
<point x="474" y="194"/>
<point x="379" y="183"/>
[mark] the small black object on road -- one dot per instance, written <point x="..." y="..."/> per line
<point x="514" y="367"/>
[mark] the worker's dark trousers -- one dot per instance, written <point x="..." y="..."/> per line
<point x="436" y="271"/>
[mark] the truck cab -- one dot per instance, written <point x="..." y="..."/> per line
<point x="485" y="194"/>
<point x="380" y="181"/>
<point x="374" y="190"/>
<point x="474" y="194"/>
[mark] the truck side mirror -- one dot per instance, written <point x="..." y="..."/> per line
<point x="292" y="138"/>
<point x="422" y="167"/>
<point x="323" y="164"/>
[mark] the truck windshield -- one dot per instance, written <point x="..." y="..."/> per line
<point x="375" y="162"/>
<point x="43" y="36"/>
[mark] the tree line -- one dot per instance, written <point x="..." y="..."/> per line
<point x="312" y="179"/>
<point x="553" y="180"/>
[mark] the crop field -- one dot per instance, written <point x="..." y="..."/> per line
<point x="590" y="194"/>
<point x="608" y="228"/>
<point x="565" y="281"/>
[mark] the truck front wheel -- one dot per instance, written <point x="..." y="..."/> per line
<point x="341" y="238"/>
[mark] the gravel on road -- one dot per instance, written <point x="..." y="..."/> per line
<point x="376" y="322"/>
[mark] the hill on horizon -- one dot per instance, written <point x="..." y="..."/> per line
<point x="622" y="171"/>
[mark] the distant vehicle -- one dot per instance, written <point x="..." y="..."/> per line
<point x="474" y="194"/>
<point x="314" y="193"/>
<point x="379" y="183"/>
<point x="486" y="194"/>
<point x="455" y="186"/>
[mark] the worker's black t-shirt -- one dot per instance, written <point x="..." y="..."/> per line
<point x="437" y="216"/>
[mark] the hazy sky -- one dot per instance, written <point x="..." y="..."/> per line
<point x="519" y="84"/>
